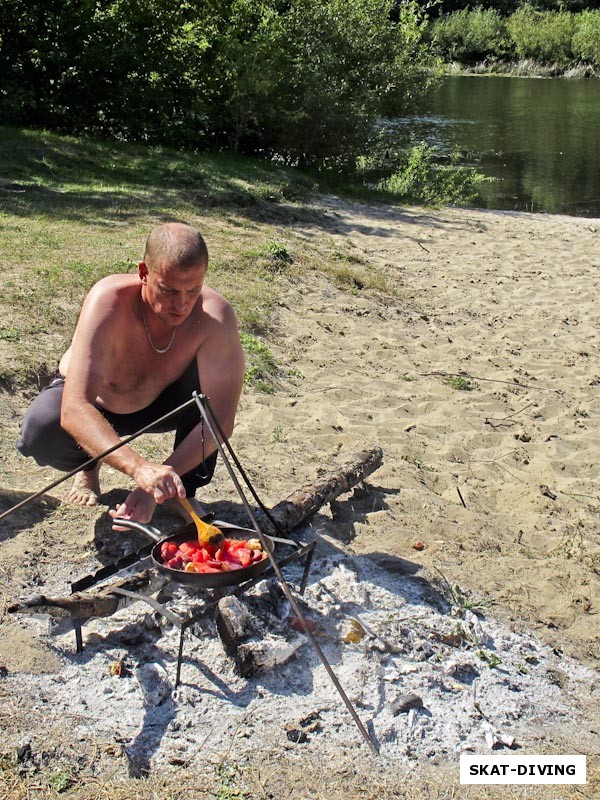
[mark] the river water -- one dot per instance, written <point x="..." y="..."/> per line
<point x="540" y="138"/>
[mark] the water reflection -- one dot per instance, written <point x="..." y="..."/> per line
<point x="539" y="138"/>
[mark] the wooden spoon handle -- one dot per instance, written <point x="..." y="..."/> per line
<point x="206" y="532"/>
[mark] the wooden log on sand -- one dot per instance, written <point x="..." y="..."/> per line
<point x="305" y="502"/>
<point x="84" y="605"/>
<point x="287" y="514"/>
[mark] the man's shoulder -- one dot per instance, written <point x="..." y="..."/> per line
<point x="115" y="282"/>
<point x="216" y="306"/>
<point x="113" y="285"/>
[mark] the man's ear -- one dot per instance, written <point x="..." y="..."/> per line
<point x="143" y="272"/>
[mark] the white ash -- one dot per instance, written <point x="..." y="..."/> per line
<point x="490" y="687"/>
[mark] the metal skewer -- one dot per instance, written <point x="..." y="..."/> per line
<point x="208" y="415"/>
<point x="90" y="462"/>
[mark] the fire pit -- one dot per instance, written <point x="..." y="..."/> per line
<point x="204" y="590"/>
<point x="142" y="585"/>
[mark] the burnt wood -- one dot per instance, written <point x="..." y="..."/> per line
<point x="305" y="502"/>
<point x="85" y="605"/>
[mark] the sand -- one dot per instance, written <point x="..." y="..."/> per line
<point x="510" y="302"/>
<point x="493" y="476"/>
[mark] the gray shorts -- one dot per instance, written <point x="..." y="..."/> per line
<point x="43" y="439"/>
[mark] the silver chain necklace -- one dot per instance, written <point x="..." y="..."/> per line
<point x="159" y="350"/>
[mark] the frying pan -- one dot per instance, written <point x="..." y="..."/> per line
<point x="201" y="580"/>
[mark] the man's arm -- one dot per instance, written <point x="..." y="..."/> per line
<point x="221" y="368"/>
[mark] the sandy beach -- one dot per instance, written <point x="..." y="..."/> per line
<point x="480" y="382"/>
<point x="510" y="302"/>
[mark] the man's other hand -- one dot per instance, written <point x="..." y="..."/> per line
<point x="138" y="506"/>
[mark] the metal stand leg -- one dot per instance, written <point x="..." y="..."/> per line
<point x="78" y="637"/>
<point x="179" y="657"/>
<point x="307" y="563"/>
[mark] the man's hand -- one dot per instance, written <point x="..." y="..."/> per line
<point x="159" y="481"/>
<point x="138" y="506"/>
<point x="156" y="483"/>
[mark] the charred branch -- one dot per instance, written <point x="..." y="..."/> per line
<point x="305" y="502"/>
<point x="85" y="605"/>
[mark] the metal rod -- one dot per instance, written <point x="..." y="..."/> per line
<point x="94" y="460"/>
<point x="241" y="470"/>
<point x="201" y="402"/>
<point x="307" y="564"/>
<point x="179" y="657"/>
<point x="78" y="637"/>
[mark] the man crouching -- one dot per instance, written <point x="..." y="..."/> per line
<point x="142" y="345"/>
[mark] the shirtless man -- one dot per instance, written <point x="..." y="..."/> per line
<point x="142" y="345"/>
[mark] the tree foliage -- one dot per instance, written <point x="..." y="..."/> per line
<point x="586" y="38"/>
<point x="505" y="7"/>
<point x="542" y="35"/>
<point x="303" y="80"/>
<point x="470" y="36"/>
<point x="559" y="39"/>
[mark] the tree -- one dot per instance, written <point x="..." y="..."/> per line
<point x="302" y="80"/>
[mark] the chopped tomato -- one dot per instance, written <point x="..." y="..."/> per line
<point x="201" y="556"/>
<point x="206" y="568"/>
<point x="189" y="548"/>
<point x="235" y="544"/>
<point x="231" y="554"/>
<point x="211" y="549"/>
<point x="167" y="550"/>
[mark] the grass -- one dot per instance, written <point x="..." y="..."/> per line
<point x="460" y="383"/>
<point x="261" y="367"/>
<point x="292" y="777"/>
<point x="73" y="210"/>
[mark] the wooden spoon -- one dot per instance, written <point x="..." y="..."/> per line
<point x="206" y="533"/>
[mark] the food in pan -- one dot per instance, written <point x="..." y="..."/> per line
<point x="227" y="555"/>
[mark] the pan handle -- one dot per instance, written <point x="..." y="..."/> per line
<point x="150" y="531"/>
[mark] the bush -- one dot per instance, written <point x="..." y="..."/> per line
<point x="545" y="36"/>
<point x="422" y="180"/>
<point x="302" y="80"/>
<point x="335" y="66"/>
<point x="586" y="38"/>
<point x="469" y="36"/>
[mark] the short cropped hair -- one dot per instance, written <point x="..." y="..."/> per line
<point x="177" y="244"/>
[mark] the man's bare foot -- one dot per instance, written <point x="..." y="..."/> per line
<point x="85" y="490"/>
<point x="175" y="506"/>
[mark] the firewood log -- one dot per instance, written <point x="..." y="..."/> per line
<point x="84" y="605"/>
<point x="305" y="502"/>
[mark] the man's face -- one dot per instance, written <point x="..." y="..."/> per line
<point x="171" y="291"/>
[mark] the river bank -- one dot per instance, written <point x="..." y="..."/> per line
<point x="527" y="68"/>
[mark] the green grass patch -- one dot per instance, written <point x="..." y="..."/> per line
<point x="61" y="780"/>
<point x="261" y="367"/>
<point x="460" y="383"/>
<point x="73" y="210"/>
<point x="43" y="170"/>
